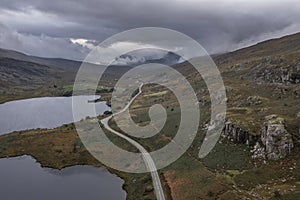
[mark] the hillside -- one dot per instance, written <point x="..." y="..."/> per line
<point x="261" y="80"/>
<point x="24" y="76"/>
<point x="275" y="47"/>
<point x="263" y="93"/>
<point x="65" y="64"/>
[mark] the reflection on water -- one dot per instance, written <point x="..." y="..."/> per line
<point x="47" y="112"/>
<point x="23" y="178"/>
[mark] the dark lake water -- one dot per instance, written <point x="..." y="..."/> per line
<point x="46" y="112"/>
<point x="22" y="178"/>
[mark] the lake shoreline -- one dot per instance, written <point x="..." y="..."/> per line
<point x="45" y="130"/>
<point x="54" y="164"/>
<point x="59" y="148"/>
<point x="47" y="112"/>
<point x="102" y="182"/>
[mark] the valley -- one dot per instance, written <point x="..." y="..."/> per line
<point x="261" y="80"/>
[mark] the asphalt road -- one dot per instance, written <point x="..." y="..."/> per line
<point x="146" y="156"/>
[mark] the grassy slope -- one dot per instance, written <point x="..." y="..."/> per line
<point x="228" y="171"/>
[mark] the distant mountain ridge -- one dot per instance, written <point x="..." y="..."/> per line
<point x="129" y="60"/>
<point x="274" y="47"/>
<point x="147" y="56"/>
<point x="279" y="46"/>
<point x="272" y="61"/>
<point x="51" y="62"/>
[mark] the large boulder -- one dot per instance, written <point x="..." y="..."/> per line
<point x="275" y="138"/>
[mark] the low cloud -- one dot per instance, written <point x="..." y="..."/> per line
<point x="220" y="26"/>
<point x="42" y="45"/>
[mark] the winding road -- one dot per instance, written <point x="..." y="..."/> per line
<point x="146" y="156"/>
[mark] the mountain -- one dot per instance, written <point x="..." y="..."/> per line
<point x="147" y="56"/>
<point x="21" y="73"/>
<point x="259" y="151"/>
<point x="23" y="76"/>
<point x="261" y="137"/>
<point x="272" y="61"/>
<point x="131" y="59"/>
<point x="65" y="64"/>
<point x="263" y="80"/>
<point x="275" y="47"/>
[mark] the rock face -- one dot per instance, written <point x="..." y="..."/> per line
<point x="273" y="143"/>
<point x="258" y="151"/>
<point x="277" y="70"/>
<point x="237" y="135"/>
<point x="276" y="140"/>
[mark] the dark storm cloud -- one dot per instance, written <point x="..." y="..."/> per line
<point x="218" y="25"/>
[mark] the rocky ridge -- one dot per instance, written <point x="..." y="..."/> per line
<point x="274" y="142"/>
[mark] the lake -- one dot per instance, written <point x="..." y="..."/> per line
<point x="23" y="178"/>
<point x="46" y="112"/>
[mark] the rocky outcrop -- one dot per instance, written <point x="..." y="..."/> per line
<point x="238" y="135"/>
<point x="258" y="151"/>
<point x="254" y="100"/>
<point x="276" y="70"/>
<point x="276" y="141"/>
<point x="273" y="143"/>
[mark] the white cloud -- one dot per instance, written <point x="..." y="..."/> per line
<point x="218" y="25"/>
<point x="42" y="45"/>
<point x="90" y="44"/>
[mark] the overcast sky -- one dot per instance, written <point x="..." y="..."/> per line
<point x="70" y="28"/>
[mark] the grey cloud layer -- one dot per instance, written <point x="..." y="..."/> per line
<point x="218" y="25"/>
